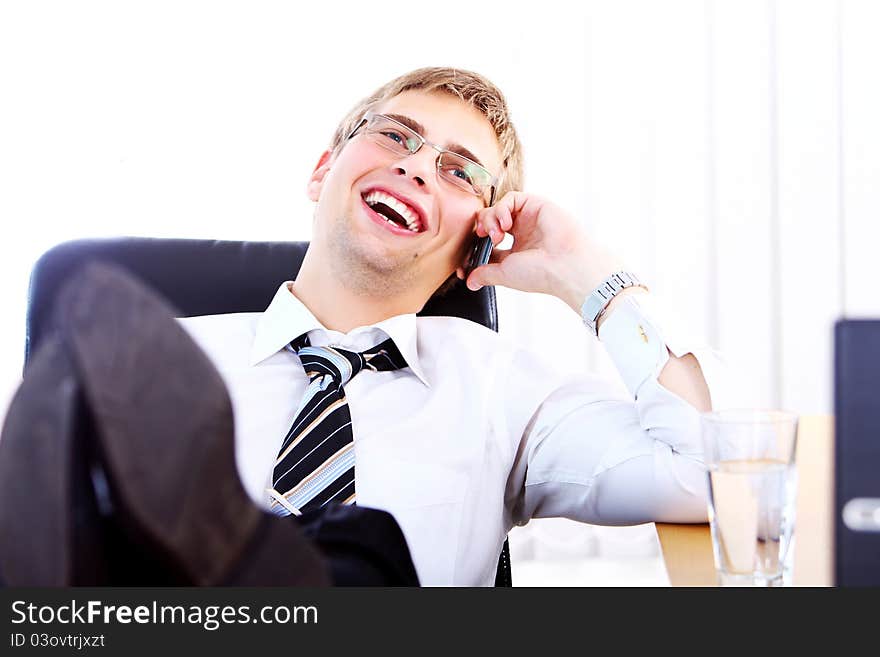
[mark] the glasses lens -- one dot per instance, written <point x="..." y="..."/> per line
<point x="392" y="135"/>
<point x="465" y="173"/>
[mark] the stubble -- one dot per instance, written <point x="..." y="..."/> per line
<point x="366" y="271"/>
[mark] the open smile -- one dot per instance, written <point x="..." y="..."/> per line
<point x="398" y="215"/>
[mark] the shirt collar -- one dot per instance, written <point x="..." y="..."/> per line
<point x="287" y="318"/>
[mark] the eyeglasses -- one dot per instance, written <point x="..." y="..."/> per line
<point x="455" y="168"/>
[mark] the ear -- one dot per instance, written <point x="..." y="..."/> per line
<point x="316" y="181"/>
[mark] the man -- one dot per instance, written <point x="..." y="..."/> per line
<point x="469" y="435"/>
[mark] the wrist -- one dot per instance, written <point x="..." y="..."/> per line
<point x="574" y="293"/>
<point x="598" y="303"/>
<point x="580" y="284"/>
<point x="582" y="270"/>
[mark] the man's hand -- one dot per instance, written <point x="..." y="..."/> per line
<point x="551" y="253"/>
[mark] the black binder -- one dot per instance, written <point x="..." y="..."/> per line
<point x="857" y="452"/>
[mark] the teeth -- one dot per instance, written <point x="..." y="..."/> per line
<point x="394" y="223"/>
<point x="412" y="220"/>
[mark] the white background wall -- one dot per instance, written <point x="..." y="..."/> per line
<point x="729" y="150"/>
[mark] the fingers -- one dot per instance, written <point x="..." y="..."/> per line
<point x="505" y="217"/>
<point x="489" y="226"/>
<point x="496" y="219"/>
<point x="486" y="228"/>
<point x="499" y="219"/>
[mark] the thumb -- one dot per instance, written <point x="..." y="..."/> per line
<point x="485" y="275"/>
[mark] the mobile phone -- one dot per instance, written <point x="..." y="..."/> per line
<point x="482" y="248"/>
<point x="479" y="254"/>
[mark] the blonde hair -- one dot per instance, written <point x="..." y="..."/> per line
<point x="470" y="87"/>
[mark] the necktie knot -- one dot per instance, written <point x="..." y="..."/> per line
<point x="341" y="364"/>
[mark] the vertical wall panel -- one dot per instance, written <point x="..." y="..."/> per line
<point x="647" y="156"/>
<point x="860" y="132"/>
<point x="548" y="105"/>
<point x="676" y="102"/>
<point x="808" y="200"/>
<point x="619" y="156"/>
<point x="740" y="143"/>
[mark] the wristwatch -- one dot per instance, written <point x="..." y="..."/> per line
<point x="595" y="304"/>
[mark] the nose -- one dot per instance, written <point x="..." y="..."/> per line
<point x="402" y="172"/>
<point x="418" y="166"/>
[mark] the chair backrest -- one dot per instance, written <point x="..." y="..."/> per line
<point x="208" y="277"/>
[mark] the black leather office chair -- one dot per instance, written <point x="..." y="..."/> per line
<point x="206" y="277"/>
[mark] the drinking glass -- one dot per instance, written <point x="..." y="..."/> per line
<point x="750" y="458"/>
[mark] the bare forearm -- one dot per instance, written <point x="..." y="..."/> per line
<point x="684" y="377"/>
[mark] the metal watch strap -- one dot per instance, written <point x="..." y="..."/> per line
<point x="598" y="300"/>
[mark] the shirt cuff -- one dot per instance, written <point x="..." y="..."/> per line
<point x="638" y="338"/>
<point x="635" y="342"/>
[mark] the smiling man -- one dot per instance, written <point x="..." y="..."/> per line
<point x="391" y="226"/>
<point x="343" y="395"/>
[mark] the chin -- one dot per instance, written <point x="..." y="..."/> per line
<point x="369" y="268"/>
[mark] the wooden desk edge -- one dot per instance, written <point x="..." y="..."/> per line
<point x="687" y="554"/>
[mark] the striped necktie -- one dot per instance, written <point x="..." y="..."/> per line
<point x="315" y="465"/>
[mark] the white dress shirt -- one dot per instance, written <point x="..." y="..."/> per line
<point x="476" y="435"/>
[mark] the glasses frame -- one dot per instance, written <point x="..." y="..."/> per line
<point x="493" y="180"/>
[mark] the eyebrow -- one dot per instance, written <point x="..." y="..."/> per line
<point x="412" y="124"/>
